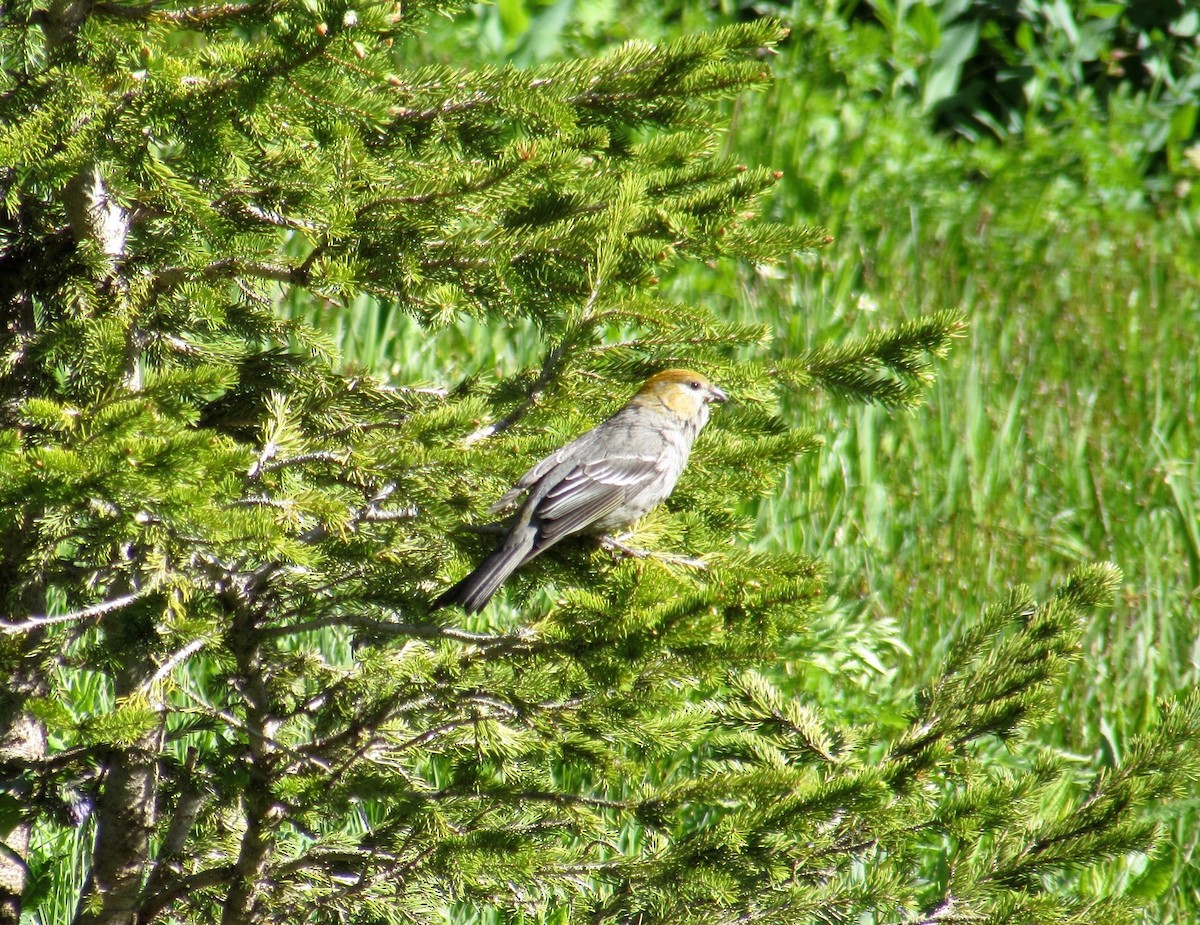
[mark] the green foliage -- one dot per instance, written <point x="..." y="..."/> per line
<point x="218" y="548"/>
<point x="981" y="67"/>
<point x="1061" y="432"/>
<point x="891" y="368"/>
<point x="974" y="69"/>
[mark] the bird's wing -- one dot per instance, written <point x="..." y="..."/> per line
<point x="539" y="469"/>
<point x="589" y="491"/>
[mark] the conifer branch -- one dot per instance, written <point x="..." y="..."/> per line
<point x="285" y="61"/>
<point x="512" y="641"/>
<point x="192" y="16"/>
<point x="177" y="658"/>
<point x="336" y="458"/>
<point x="300" y="90"/>
<point x="551" y="367"/>
<point x="323" y="858"/>
<point x="156" y="903"/>
<point x="892" y="368"/>
<point x="435" y="732"/>
<point x="556" y="798"/>
<point x="86" y="613"/>
<point x="549" y="370"/>
<point x="615" y="544"/>
<point x="946" y="911"/>
<point x="451" y="106"/>
<point x="261" y="735"/>
<point x="492" y="178"/>
<point x="232" y="268"/>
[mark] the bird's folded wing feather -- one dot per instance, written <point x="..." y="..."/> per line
<point x="539" y="469"/>
<point x="590" y="491"/>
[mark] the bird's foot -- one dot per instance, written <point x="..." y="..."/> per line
<point x="616" y="544"/>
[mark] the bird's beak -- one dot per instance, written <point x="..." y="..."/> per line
<point x="715" y="394"/>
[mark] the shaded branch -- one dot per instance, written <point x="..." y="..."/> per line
<point x="551" y="366"/>
<point x="232" y="268"/>
<point x="191" y="16"/>
<point x="157" y="902"/>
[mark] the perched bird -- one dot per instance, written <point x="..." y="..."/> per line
<point x="605" y="479"/>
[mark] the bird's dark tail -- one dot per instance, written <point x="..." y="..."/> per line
<point x="474" y="591"/>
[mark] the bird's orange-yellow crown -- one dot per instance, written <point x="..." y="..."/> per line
<point x="684" y="377"/>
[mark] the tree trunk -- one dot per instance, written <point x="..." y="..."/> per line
<point x="125" y="818"/>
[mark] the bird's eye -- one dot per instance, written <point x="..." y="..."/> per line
<point x="696" y="385"/>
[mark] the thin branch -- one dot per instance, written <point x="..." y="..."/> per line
<point x="539" y="796"/>
<point x="518" y="639"/>
<point x="946" y="911"/>
<point x="96" y="610"/>
<point x="191" y="16"/>
<point x="284" y="64"/>
<point x="156" y="903"/>
<point x="549" y="371"/>
<point x="379" y="516"/>
<point x="332" y="858"/>
<point x="265" y="462"/>
<point x="461" y="189"/>
<point x="257" y="735"/>
<point x="369" y="512"/>
<point x="168" y="666"/>
<point x="230" y="268"/>
<point x="286" y="505"/>
<point x="437" y="731"/>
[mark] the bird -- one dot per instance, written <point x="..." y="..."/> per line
<point x="604" y="479"/>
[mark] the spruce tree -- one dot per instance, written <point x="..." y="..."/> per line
<point x="227" y="695"/>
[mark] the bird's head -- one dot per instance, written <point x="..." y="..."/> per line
<point x="681" y="392"/>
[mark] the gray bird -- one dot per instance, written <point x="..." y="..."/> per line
<point x="604" y="479"/>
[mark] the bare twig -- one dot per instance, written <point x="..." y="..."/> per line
<point x="96" y="610"/>
<point x="169" y="665"/>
